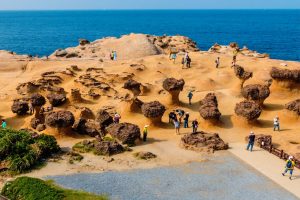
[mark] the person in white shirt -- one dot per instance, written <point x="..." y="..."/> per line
<point x="276" y="124"/>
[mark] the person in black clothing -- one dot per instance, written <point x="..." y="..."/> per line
<point x="180" y="114"/>
<point x="188" y="62"/>
<point x="186" y="120"/>
<point x="195" y="125"/>
<point x="172" y="117"/>
<point x="251" y="141"/>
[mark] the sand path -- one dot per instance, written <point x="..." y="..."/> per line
<point x="269" y="165"/>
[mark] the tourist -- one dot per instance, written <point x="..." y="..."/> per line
<point x="289" y="166"/>
<point x="117" y="118"/>
<point x="172" y="116"/>
<point x="190" y="96"/>
<point x="145" y="133"/>
<point x="188" y="62"/>
<point x="235" y="52"/>
<point x="276" y="124"/>
<point x="3" y="124"/>
<point x="180" y="114"/>
<point x="251" y="140"/>
<point x="115" y="55"/>
<point x="173" y="57"/>
<point x="112" y="55"/>
<point x="177" y="126"/>
<point x="186" y="120"/>
<point x="195" y="125"/>
<point x="217" y="62"/>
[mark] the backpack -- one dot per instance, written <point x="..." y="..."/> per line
<point x="289" y="164"/>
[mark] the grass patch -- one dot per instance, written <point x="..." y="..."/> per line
<point x="74" y="157"/>
<point x="33" y="189"/>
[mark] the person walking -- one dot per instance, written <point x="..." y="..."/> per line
<point x="172" y="116"/>
<point x="180" y="114"/>
<point x="177" y="126"/>
<point x="217" y="62"/>
<point x="117" y="118"/>
<point x="145" y="133"/>
<point x="190" y="96"/>
<point x="3" y="124"/>
<point x="173" y="57"/>
<point x="251" y="140"/>
<point x="276" y="124"/>
<point x="188" y="62"/>
<point x="115" y="55"/>
<point x="195" y="125"/>
<point x="289" y="166"/>
<point x="186" y="120"/>
<point x="112" y="55"/>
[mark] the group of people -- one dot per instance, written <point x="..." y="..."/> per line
<point x="176" y="117"/>
<point x="186" y="59"/>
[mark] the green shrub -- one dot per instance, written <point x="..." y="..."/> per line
<point x="47" y="145"/>
<point x="26" y="188"/>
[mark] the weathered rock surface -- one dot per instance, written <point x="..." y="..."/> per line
<point x="108" y="148"/>
<point x="104" y="119"/>
<point x="56" y="99"/>
<point x="145" y="155"/>
<point x="125" y="132"/>
<point x="37" y="100"/>
<point x="60" y="119"/>
<point x="174" y="87"/>
<point x="87" y="127"/>
<point x="209" y="108"/>
<point x="242" y="74"/>
<point x="257" y="93"/>
<point x="153" y="110"/>
<point x="248" y="110"/>
<point x="133" y="86"/>
<point x="20" y="107"/>
<point x="293" y="106"/>
<point x="200" y="141"/>
<point x="285" y="75"/>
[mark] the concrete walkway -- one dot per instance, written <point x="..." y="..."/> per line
<point x="269" y="165"/>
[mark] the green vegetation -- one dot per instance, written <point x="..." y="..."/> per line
<point x="74" y="157"/>
<point x="32" y="189"/>
<point x="20" y="151"/>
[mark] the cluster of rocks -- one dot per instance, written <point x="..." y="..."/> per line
<point x="291" y="77"/>
<point x="248" y="110"/>
<point x="153" y="111"/>
<point x="257" y="93"/>
<point x="174" y="87"/>
<point x="242" y="74"/>
<point x="293" y="106"/>
<point x="209" y="108"/>
<point x="201" y="141"/>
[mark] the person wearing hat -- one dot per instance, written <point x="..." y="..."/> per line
<point x="251" y="141"/>
<point x="186" y="120"/>
<point x="289" y="166"/>
<point x="145" y="133"/>
<point x="276" y="124"/>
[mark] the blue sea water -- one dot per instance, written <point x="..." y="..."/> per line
<point x="276" y="32"/>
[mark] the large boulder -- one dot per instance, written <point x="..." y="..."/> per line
<point x="60" y="119"/>
<point x="108" y="148"/>
<point x="294" y="106"/>
<point x="34" y="122"/>
<point x="174" y="87"/>
<point x="249" y="110"/>
<point x="20" y="107"/>
<point x="209" y="108"/>
<point x="37" y="100"/>
<point x="242" y="74"/>
<point x="104" y="119"/>
<point x="200" y="141"/>
<point x="87" y="127"/>
<point x="56" y="99"/>
<point x="154" y="111"/>
<point x="125" y="132"/>
<point x="257" y="93"/>
<point x="133" y="86"/>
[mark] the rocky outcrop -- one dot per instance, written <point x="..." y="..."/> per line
<point x="209" y="108"/>
<point x="20" y="107"/>
<point x="34" y="122"/>
<point x="133" y="86"/>
<point x="145" y="155"/>
<point x="27" y="88"/>
<point x="249" y="110"/>
<point x="87" y="127"/>
<point x="56" y="99"/>
<point x="287" y="78"/>
<point x="201" y="141"/>
<point x="242" y="74"/>
<point x="293" y="106"/>
<point x="60" y="119"/>
<point x="37" y="100"/>
<point x="83" y="42"/>
<point x="76" y="95"/>
<point x="154" y="111"/>
<point x="174" y="87"/>
<point x="125" y="132"/>
<point x="104" y="119"/>
<point x="108" y="148"/>
<point x="257" y="93"/>
<point x="86" y="113"/>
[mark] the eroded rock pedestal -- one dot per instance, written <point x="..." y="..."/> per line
<point x="174" y="87"/>
<point x="153" y="111"/>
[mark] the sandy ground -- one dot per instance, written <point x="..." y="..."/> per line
<point x="202" y="77"/>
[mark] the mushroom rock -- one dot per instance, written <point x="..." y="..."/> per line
<point x="108" y="148"/>
<point x="37" y="101"/>
<point x="34" y="122"/>
<point x="201" y="141"/>
<point x="132" y="105"/>
<point x="133" y="86"/>
<point x="125" y="132"/>
<point x="76" y="95"/>
<point x="103" y="119"/>
<point x="249" y="110"/>
<point x="153" y="111"/>
<point x="20" y="107"/>
<point x="293" y="106"/>
<point x="56" y="99"/>
<point x="257" y="93"/>
<point x="242" y="74"/>
<point x="285" y="77"/>
<point x="174" y="87"/>
<point x="87" y="127"/>
<point x="209" y="108"/>
<point x="60" y="119"/>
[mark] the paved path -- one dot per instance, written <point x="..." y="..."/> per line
<point x="225" y="177"/>
<point x="269" y="165"/>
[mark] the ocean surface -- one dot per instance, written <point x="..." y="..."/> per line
<point x="276" y="32"/>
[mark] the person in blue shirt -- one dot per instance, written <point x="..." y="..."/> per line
<point x="190" y="96"/>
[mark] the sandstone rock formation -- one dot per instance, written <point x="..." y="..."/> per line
<point x="145" y="155"/>
<point x="20" y="107"/>
<point x="249" y="110"/>
<point x="76" y="96"/>
<point x="153" y="111"/>
<point x="294" y="106"/>
<point x="60" y="119"/>
<point x="133" y="86"/>
<point x="56" y="99"/>
<point x="87" y="127"/>
<point x="209" y="108"/>
<point x="242" y="74"/>
<point x="174" y="87"/>
<point x="37" y="101"/>
<point x="86" y="113"/>
<point x="200" y="141"/>
<point x="287" y="78"/>
<point x="104" y="119"/>
<point x="83" y="42"/>
<point x="257" y="93"/>
<point x="125" y="132"/>
<point x="108" y="148"/>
